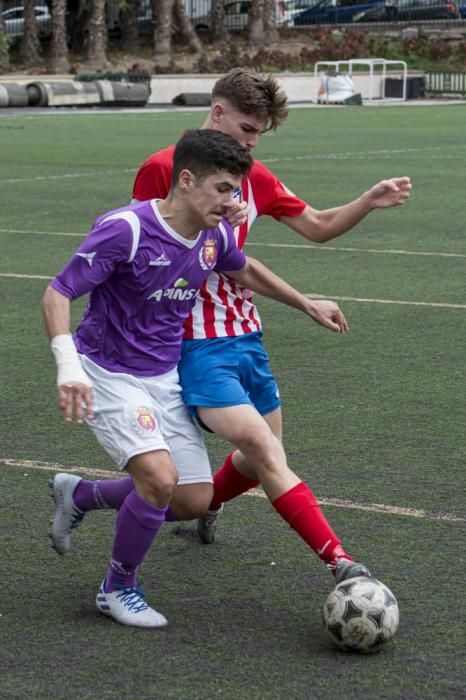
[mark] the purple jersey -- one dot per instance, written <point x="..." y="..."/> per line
<point x="143" y="280"/>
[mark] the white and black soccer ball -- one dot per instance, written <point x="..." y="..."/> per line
<point x="361" y="614"/>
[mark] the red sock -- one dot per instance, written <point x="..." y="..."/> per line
<point x="229" y="483"/>
<point x="301" y="511"/>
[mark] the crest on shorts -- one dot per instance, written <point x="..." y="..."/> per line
<point x="208" y="254"/>
<point x="143" y="420"/>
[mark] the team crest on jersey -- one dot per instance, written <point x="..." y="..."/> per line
<point x="208" y="254"/>
<point x="143" y="420"/>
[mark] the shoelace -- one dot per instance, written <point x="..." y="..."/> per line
<point x="133" y="598"/>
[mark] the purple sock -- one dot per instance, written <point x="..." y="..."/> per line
<point x="137" y="524"/>
<point x="95" y="495"/>
<point x="170" y="517"/>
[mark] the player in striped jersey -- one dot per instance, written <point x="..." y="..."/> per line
<point x="143" y="266"/>
<point x="224" y="368"/>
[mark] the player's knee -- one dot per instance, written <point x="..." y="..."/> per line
<point x="263" y="443"/>
<point x="190" y="502"/>
<point x="155" y="477"/>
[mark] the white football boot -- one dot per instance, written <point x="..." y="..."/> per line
<point x="66" y="516"/>
<point x="127" y="606"/>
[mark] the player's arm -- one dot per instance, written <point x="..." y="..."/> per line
<point x="258" y="278"/>
<point x="74" y="386"/>
<point x="322" y="226"/>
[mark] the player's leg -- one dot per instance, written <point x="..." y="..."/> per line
<point x="291" y="498"/>
<point x="73" y="496"/>
<point x="211" y="374"/>
<point x="138" y="522"/>
<point x="239" y="373"/>
<point x="194" y="489"/>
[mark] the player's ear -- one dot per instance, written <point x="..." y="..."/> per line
<point x="217" y="112"/>
<point x="186" y="180"/>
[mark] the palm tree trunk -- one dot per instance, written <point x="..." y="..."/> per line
<point x="219" y="32"/>
<point x="162" y="13"/>
<point x="96" y="51"/>
<point x="270" y="21"/>
<point x="4" y="56"/>
<point x="29" y="50"/>
<point x="186" y="28"/>
<point x="59" y="54"/>
<point x="129" y="25"/>
<point x="256" y="35"/>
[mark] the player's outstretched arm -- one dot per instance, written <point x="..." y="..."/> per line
<point x="74" y="386"/>
<point x="321" y="226"/>
<point x="258" y="278"/>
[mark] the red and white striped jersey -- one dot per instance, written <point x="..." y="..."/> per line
<point x="223" y="308"/>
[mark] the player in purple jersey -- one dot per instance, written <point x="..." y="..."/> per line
<point x="143" y="266"/>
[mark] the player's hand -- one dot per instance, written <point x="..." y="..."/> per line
<point x="390" y="193"/>
<point x="328" y="314"/>
<point x="71" y="400"/>
<point x="237" y="214"/>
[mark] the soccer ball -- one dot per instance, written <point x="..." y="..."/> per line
<point x="361" y="614"/>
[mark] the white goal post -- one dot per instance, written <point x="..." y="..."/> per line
<point x="377" y="69"/>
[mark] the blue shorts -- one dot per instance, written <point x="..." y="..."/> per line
<point x="221" y="372"/>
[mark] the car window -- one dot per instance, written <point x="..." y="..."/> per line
<point x="14" y="14"/>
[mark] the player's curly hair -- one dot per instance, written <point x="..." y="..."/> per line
<point x="255" y="94"/>
<point x="206" y="151"/>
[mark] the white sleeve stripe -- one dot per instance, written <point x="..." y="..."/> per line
<point x="135" y="224"/>
<point x="224" y="234"/>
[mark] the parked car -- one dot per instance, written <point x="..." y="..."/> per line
<point x="237" y="15"/>
<point x="334" y="11"/>
<point x="13" y="20"/>
<point x="411" y="10"/>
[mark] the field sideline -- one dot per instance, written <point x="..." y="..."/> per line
<point x="374" y="422"/>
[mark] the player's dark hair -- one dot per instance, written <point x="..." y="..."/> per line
<point x="253" y="94"/>
<point x="205" y="151"/>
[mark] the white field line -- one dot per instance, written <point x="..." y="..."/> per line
<point x="42" y="233"/>
<point x="25" y="464"/>
<point x="434" y="304"/>
<point x="345" y="155"/>
<point x="27" y="277"/>
<point x="388" y="301"/>
<point x="65" y="176"/>
<point x="382" y="251"/>
<point x="300" y="246"/>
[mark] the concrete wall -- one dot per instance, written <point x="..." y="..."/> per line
<point x="299" y="87"/>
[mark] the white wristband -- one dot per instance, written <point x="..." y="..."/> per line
<point x="70" y="371"/>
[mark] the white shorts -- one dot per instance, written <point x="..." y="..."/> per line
<point x="133" y="415"/>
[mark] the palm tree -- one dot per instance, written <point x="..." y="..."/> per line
<point x="129" y="25"/>
<point x="184" y="25"/>
<point x="256" y="35"/>
<point x="162" y="13"/>
<point x="4" y="58"/>
<point x="270" y="21"/>
<point x="96" y="56"/>
<point x="29" y="50"/>
<point x="217" y="14"/>
<point x="59" y="51"/>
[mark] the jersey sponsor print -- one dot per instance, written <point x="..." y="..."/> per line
<point x="223" y="308"/>
<point x="136" y="310"/>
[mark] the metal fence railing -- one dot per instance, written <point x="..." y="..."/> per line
<point x="445" y="83"/>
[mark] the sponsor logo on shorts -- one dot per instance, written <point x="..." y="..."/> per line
<point x="143" y="420"/>
<point x="208" y="254"/>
